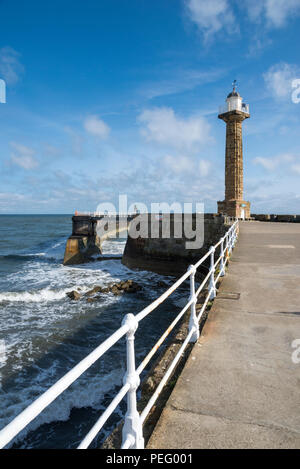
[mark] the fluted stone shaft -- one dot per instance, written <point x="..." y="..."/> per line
<point x="234" y="205"/>
<point x="234" y="159"/>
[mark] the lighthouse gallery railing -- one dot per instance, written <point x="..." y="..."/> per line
<point x="133" y="423"/>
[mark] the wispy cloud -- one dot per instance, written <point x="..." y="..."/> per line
<point x="204" y="167"/>
<point x="11" y="68"/>
<point x="23" y="156"/>
<point x="296" y="168"/>
<point x="182" y="165"/>
<point x="211" y="16"/>
<point x="279" y="77"/>
<point x="178" y="164"/>
<point x="178" y="81"/>
<point x="275" y="12"/>
<point x="76" y="140"/>
<point x="215" y="16"/>
<point x="272" y="163"/>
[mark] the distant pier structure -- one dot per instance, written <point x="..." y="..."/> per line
<point x="234" y="113"/>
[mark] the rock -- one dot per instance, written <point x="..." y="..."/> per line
<point x="115" y="290"/>
<point x="73" y="295"/>
<point x="131" y="287"/>
<point x="94" y="290"/>
<point x="128" y="286"/>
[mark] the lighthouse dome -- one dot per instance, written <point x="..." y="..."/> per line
<point x="234" y="94"/>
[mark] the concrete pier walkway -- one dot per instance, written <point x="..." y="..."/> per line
<point x="240" y="387"/>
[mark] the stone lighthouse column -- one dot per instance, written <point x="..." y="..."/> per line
<point x="234" y="114"/>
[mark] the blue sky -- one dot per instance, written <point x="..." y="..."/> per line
<point x="109" y="97"/>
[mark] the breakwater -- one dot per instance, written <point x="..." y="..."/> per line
<point x="162" y="243"/>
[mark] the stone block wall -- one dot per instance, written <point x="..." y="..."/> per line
<point x="276" y="218"/>
<point x="83" y="242"/>
<point x="172" y="256"/>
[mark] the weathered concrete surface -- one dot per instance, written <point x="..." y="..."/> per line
<point x="240" y="388"/>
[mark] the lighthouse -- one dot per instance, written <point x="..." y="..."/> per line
<point x="234" y="113"/>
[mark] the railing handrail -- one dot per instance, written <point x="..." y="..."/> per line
<point x="107" y="215"/>
<point x="132" y="430"/>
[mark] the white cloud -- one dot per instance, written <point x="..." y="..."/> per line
<point x="96" y="126"/>
<point x="270" y="164"/>
<point x="161" y="125"/>
<point x="183" y="166"/>
<point x="10" y="66"/>
<point x="211" y="16"/>
<point x="25" y="162"/>
<point x="22" y="149"/>
<point x="279" y="77"/>
<point x="178" y="164"/>
<point x="267" y="163"/>
<point x="23" y="156"/>
<point x="278" y="11"/>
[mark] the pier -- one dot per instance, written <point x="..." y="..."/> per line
<point x="240" y="386"/>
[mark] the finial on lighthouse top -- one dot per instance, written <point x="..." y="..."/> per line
<point x="234" y="92"/>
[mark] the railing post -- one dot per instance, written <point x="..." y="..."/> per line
<point x="234" y="235"/>
<point x="212" y="284"/>
<point x="230" y="240"/>
<point x="222" y="264"/>
<point x="193" y="324"/>
<point x="236" y="231"/>
<point x="226" y="246"/>
<point x="132" y="428"/>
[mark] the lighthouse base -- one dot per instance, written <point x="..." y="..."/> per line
<point x="234" y="208"/>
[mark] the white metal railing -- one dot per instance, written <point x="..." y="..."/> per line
<point x="132" y="436"/>
<point x="107" y="215"/>
<point x="234" y="107"/>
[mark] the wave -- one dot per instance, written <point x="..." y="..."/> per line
<point x="50" y="251"/>
<point x="22" y="257"/>
<point x="44" y="295"/>
<point x="85" y="392"/>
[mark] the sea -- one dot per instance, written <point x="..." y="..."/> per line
<point x="43" y="334"/>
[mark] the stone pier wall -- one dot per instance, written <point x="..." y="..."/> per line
<point x="276" y="218"/>
<point x="88" y="234"/>
<point x="84" y="241"/>
<point x="163" y="252"/>
<point x="171" y="256"/>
